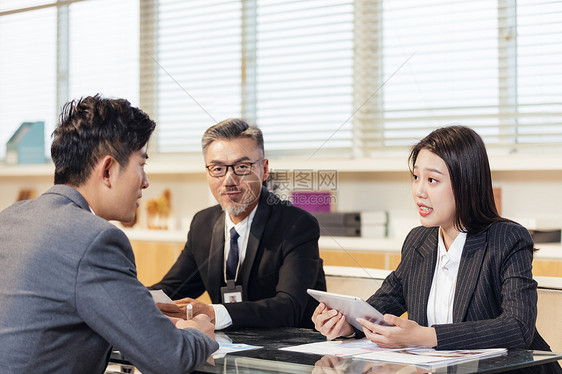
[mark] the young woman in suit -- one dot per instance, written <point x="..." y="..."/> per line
<point x="465" y="275"/>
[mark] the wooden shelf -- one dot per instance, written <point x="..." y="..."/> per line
<point x="504" y="163"/>
<point x="358" y="244"/>
<point x="172" y="167"/>
<point x="354" y="244"/>
<point x="31" y="170"/>
<point x="550" y="251"/>
<point x="163" y="236"/>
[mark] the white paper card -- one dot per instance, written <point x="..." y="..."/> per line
<point x="160" y="297"/>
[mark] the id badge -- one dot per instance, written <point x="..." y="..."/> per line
<point x="231" y="293"/>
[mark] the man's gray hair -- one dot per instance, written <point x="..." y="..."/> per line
<point x="230" y="129"/>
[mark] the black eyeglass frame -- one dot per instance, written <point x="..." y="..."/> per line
<point x="233" y="167"/>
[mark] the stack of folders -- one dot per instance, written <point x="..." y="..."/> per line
<point x="374" y="224"/>
<point x="542" y="229"/>
<point x="338" y="223"/>
<point x="371" y="224"/>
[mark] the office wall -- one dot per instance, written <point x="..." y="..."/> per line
<point x="526" y="194"/>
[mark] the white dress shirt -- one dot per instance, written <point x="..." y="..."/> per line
<point x="441" y="296"/>
<point x="222" y="317"/>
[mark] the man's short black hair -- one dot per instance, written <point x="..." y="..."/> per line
<point x="93" y="127"/>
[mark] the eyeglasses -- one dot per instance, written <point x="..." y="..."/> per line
<point x="240" y="169"/>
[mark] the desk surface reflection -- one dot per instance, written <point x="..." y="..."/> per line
<point x="270" y="359"/>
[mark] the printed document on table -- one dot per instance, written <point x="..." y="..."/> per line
<point x="232" y="347"/>
<point x="340" y="348"/>
<point x="364" y="349"/>
<point x="227" y="346"/>
<point x="431" y="357"/>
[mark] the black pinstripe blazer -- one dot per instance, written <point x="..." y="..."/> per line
<point x="495" y="303"/>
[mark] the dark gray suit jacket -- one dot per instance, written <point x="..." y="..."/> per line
<point x="495" y="303"/>
<point x="282" y="261"/>
<point x="68" y="291"/>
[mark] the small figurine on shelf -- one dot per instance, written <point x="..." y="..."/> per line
<point x="158" y="211"/>
<point x="26" y="194"/>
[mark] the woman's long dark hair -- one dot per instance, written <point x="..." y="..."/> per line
<point x="465" y="155"/>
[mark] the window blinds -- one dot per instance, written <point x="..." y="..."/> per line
<point x="283" y="65"/>
<point x="539" y="73"/>
<point x="27" y="71"/>
<point x="52" y="52"/>
<point x="488" y="65"/>
<point x="304" y="72"/>
<point x="104" y="49"/>
<point x="321" y="77"/>
<point x="198" y="68"/>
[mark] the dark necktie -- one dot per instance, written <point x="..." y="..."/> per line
<point x="233" y="255"/>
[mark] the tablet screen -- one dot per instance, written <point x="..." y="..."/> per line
<point x="350" y="306"/>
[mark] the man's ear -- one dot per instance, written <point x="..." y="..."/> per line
<point x="265" y="170"/>
<point x="107" y="167"/>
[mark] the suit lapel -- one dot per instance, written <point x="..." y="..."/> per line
<point x="469" y="272"/>
<point x="427" y="248"/>
<point x="216" y="258"/>
<point x="256" y="231"/>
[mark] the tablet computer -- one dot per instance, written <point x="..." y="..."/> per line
<point x="351" y="307"/>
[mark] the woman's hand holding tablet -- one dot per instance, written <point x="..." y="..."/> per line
<point x="350" y="306"/>
<point x="331" y="323"/>
<point x="336" y="315"/>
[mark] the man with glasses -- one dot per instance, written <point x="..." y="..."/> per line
<point x="254" y="254"/>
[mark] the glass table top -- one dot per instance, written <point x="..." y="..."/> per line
<point x="270" y="359"/>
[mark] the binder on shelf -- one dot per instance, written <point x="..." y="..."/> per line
<point x="27" y="145"/>
<point x="374" y="217"/>
<point x="351" y="219"/>
<point x="339" y="223"/>
<point x="546" y="236"/>
<point x="543" y="228"/>
<point x="374" y="231"/>
<point x="340" y="231"/>
<point x="369" y="224"/>
<point x="374" y="224"/>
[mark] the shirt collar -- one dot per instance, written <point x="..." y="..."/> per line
<point x="455" y="251"/>
<point x="241" y="226"/>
